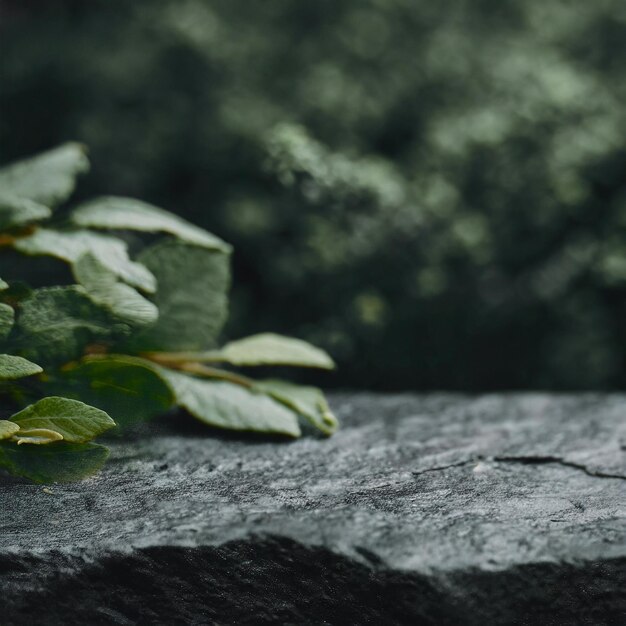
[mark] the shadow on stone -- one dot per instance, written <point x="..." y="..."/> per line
<point x="278" y="581"/>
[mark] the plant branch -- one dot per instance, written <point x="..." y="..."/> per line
<point x="198" y="369"/>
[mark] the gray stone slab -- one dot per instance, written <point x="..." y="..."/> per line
<point x="436" y="509"/>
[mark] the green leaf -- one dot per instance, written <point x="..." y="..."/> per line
<point x="119" y="213"/>
<point x="72" y="245"/>
<point x="7" y="318"/>
<point x="7" y="429"/>
<point x="36" y="436"/>
<point x="226" y="405"/>
<point x="3" y="285"/>
<point x="55" y="324"/>
<point x="105" y="290"/>
<point x="129" y="389"/>
<point x="192" y="297"/>
<point x="13" y="367"/>
<point x="309" y="402"/>
<point x="271" y="349"/>
<point x="132" y="389"/>
<point x="58" y="462"/>
<point x="16" y="211"/>
<point x="48" y="178"/>
<point x="75" y="421"/>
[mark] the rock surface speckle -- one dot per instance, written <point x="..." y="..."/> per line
<point x="436" y="509"/>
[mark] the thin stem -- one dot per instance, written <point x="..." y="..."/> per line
<point x="169" y="358"/>
<point x="198" y="369"/>
<point x="7" y="239"/>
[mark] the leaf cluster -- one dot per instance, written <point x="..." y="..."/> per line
<point x="133" y="333"/>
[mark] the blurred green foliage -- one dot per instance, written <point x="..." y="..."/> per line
<point x="434" y="192"/>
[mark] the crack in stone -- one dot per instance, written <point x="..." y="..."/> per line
<point x="543" y="460"/>
<point x="440" y="468"/>
<point x="524" y="460"/>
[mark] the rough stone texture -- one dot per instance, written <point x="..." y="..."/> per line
<point x="439" y="509"/>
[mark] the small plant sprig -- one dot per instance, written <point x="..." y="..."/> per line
<point x="131" y="336"/>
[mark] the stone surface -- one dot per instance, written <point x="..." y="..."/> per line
<point x="438" y="509"/>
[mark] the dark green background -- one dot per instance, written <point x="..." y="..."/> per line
<point x="433" y="191"/>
